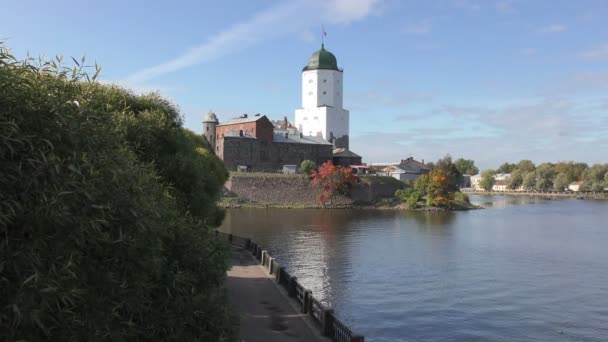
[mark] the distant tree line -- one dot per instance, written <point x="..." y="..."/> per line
<point x="549" y="176"/>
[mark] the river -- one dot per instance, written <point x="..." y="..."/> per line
<point x="523" y="269"/>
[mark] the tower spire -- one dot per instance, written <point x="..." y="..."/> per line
<point x="323" y="34"/>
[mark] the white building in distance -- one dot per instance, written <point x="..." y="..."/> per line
<point x="322" y="113"/>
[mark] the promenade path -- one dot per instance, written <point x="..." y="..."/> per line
<point x="266" y="313"/>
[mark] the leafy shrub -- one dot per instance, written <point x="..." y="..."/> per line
<point x="106" y="204"/>
<point x="413" y="199"/>
<point x="307" y="166"/>
<point x="461" y="197"/>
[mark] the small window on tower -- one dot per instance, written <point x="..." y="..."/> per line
<point x="310" y="93"/>
<point x="310" y="80"/>
<point x="324" y="93"/>
<point x="324" y="81"/>
<point x="316" y="118"/>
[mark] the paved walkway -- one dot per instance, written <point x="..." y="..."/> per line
<point x="266" y="314"/>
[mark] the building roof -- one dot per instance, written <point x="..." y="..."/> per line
<point x="344" y="153"/>
<point x="286" y="137"/>
<point x="407" y="166"/>
<point x="243" y="119"/>
<point x="237" y="134"/>
<point x="322" y="59"/>
<point x="210" y="117"/>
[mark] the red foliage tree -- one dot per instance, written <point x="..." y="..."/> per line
<point x="332" y="180"/>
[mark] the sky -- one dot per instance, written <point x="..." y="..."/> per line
<point x="488" y="80"/>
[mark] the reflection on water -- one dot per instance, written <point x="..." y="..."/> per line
<point x="523" y="269"/>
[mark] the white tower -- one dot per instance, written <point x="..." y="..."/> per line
<point x="322" y="113"/>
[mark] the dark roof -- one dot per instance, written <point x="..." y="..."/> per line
<point x="409" y="166"/>
<point x="243" y="120"/>
<point x="279" y="137"/>
<point x="344" y="153"/>
<point x="237" y="134"/>
<point x="322" y="59"/>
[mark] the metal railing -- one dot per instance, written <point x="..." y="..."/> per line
<point x="324" y="317"/>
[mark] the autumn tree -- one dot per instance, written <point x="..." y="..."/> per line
<point x="332" y="181"/>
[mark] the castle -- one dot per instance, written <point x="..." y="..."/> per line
<point x="320" y="132"/>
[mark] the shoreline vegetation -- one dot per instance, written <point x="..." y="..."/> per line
<point x="107" y="213"/>
<point x="547" y="194"/>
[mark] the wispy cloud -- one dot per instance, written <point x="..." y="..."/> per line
<point x="346" y="11"/>
<point x="541" y="129"/>
<point x="504" y="6"/>
<point x="420" y="28"/>
<point x="597" y="52"/>
<point x="555" y="28"/>
<point x="292" y="17"/>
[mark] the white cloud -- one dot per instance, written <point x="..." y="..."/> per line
<point x="504" y="6"/>
<point x="294" y="17"/>
<point x="346" y="11"/>
<point x="598" y="52"/>
<point x="421" y="28"/>
<point x="552" y="29"/>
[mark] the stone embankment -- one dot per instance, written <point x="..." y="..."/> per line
<point x="277" y="190"/>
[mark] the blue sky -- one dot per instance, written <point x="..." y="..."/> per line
<point x="492" y="81"/>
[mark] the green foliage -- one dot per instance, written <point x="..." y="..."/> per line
<point x="561" y="182"/>
<point x="403" y="194"/>
<point x="544" y="176"/>
<point x="451" y="172"/>
<point x="526" y="166"/>
<point x="487" y="179"/>
<point x="529" y="182"/>
<point x="308" y="166"/>
<point x="466" y="166"/>
<point x="516" y="179"/>
<point x="105" y="206"/>
<point x="506" y="168"/>
<point x="462" y="198"/>
<point x="413" y="199"/>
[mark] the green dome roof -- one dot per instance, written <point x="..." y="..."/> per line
<point x="210" y="117"/>
<point x="322" y="59"/>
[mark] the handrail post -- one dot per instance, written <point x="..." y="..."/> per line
<point x="270" y="265"/>
<point x="264" y="255"/>
<point x="247" y="244"/>
<point x="327" y="323"/>
<point x="277" y="275"/>
<point x="230" y="237"/>
<point x="357" y="338"/>
<point x="306" y="303"/>
<point x="291" y="288"/>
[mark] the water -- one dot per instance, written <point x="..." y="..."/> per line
<point x="523" y="269"/>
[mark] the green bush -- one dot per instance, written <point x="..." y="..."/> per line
<point x="307" y="166"/>
<point x="413" y="199"/>
<point x="461" y="197"/>
<point x="106" y="205"/>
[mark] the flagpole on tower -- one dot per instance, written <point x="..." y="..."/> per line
<point x="323" y="34"/>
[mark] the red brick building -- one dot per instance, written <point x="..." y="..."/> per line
<point x="254" y="143"/>
<point x="257" y="126"/>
